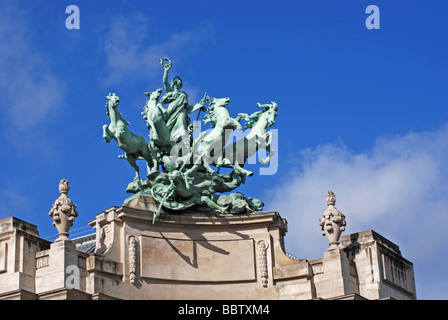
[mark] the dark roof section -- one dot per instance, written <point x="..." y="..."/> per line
<point x="85" y="243"/>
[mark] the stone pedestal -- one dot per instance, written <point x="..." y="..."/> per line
<point x="195" y="255"/>
<point x="335" y="275"/>
<point x="58" y="272"/>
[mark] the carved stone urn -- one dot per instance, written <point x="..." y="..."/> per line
<point x="63" y="212"/>
<point x="332" y="222"/>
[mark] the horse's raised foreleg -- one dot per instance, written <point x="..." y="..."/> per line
<point x="241" y="115"/>
<point x="107" y="134"/>
<point x="239" y="169"/>
<point x="268" y="159"/>
<point x="267" y="145"/>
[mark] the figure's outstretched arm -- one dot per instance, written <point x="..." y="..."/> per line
<point x="166" y="68"/>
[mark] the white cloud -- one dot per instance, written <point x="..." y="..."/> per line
<point x="14" y="203"/>
<point x="30" y="91"/>
<point x="398" y="188"/>
<point x="133" y="51"/>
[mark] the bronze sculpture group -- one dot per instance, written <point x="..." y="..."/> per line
<point x="180" y="173"/>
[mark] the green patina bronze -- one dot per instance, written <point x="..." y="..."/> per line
<point x="179" y="168"/>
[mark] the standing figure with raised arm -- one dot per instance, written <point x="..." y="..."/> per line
<point x="178" y="121"/>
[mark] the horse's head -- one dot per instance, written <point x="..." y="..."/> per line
<point x="220" y="102"/>
<point x="271" y="114"/>
<point x="113" y="100"/>
<point x="155" y="95"/>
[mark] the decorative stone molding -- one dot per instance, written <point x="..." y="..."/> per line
<point x="317" y="268"/>
<point x="397" y="272"/>
<point x="332" y="222"/>
<point x="132" y="243"/>
<point x="262" y="247"/>
<point x="63" y="212"/>
<point x="107" y="236"/>
<point x="43" y="262"/>
<point x="107" y="226"/>
<point x="105" y="239"/>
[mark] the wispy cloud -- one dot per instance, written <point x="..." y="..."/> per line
<point x="132" y="51"/>
<point x="398" y="188"/>
<point x="14" y="203"/>
<point x="30" y="90"/>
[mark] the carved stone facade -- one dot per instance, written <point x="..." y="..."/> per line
<point x="262" y="247"/>
<point x="132" y="259"/>
<point x="195" y="256"/>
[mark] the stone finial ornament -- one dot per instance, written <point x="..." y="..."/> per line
<point x="63" y="212"/>
<point x="332" y="222"/>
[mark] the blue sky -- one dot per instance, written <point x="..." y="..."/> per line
<point x="361" y="112"/>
